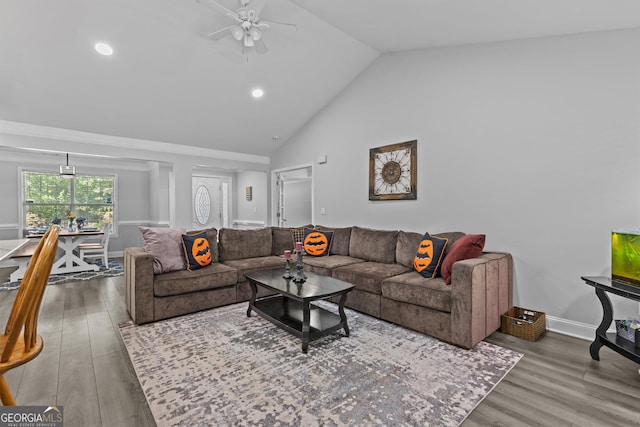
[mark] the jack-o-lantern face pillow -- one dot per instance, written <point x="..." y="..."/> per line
<point x="197" y="252"/>
<point x="317" y="242"/>
<point x="429" y="255"/>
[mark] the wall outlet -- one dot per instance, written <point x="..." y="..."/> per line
<point x="323" y="211"/>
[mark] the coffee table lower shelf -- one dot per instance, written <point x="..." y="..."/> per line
<point x="288" y="314"/>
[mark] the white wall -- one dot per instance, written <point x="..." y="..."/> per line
<point x="534" y="143"/>
<point x="297" y="196"/>
<point x="254" y="210"/>
<point x="159" y="195"/>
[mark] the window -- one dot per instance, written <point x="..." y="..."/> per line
<point x="48" y="196"/>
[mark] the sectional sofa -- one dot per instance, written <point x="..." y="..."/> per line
<point x="378" y="262"/>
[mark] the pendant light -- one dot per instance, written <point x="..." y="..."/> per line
<point x="67" y="171"/>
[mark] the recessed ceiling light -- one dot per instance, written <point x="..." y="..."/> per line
<point x="257" y="93"/>
<point x="103" y="49"/>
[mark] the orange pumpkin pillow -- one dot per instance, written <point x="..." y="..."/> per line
<point x="317" y="242"/>
<point x="429" y="255"/>
<point x="466" y="247"/>
<point x="197" y="252"/>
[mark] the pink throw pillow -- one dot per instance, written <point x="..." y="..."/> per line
<point x="466" y="247"/>
<point x="165" y="244"/>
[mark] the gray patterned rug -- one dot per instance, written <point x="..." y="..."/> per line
<point x="114" y="269"/>
<point x="219" y="367"/>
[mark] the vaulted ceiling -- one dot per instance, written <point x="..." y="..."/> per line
<point x="168" y="82"/>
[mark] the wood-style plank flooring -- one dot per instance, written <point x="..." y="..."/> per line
<point x="85" y="368"/>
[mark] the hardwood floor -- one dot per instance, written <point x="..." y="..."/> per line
<point x="85" y="368"/>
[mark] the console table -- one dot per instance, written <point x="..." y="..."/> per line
<point x="604" y="285"/>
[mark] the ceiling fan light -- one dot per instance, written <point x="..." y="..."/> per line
<point x="237" y="32"/>
<point x="248" y="41"/>
<point x="255" y="33"/>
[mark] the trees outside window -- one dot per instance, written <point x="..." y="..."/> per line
<point x="48" y="196"/>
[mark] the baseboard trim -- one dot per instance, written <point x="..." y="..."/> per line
<point x="572" y="328"/>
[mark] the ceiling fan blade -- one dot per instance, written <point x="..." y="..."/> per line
<point x="261" y="47"/>
<point x="215" y="5"/>
<point x="257" y="5"/>
<point x="294" y="27"/>
<point x="217" y="35"/>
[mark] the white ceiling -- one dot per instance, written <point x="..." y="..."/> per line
<point x="168" y="82"/>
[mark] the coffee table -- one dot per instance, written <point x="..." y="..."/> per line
<point x="291" y="309"/>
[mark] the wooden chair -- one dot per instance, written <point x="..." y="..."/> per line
<point x="21" y="342"/>
<point x="98" y="249"/>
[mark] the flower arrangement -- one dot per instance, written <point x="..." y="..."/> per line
<point x="71" y="217"/>
<point x="107" y="218"/>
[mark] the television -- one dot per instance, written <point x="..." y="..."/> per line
<point x="625" y="256"/>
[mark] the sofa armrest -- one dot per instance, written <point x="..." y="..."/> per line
<point x="482" y="290"/>
<point x="138" y="266"/>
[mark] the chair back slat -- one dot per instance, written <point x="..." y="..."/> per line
<point x="26" y="306"/>
<point x="106" y="235"/>
<point x="22" y="290"/>
<point x="44" y="270"/>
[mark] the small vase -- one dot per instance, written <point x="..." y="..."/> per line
<point x="72" y="225"/>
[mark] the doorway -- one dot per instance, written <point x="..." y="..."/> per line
<point x="294" y="196"/>
<point x="210" y="197"/>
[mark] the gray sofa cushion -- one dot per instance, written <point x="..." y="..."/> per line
<point x="368" y="276"/>
<point x="324" y="265"/>
<point x="451" y="236"/>
<point x="247" y="265"/>
<point x="212" y="276"/>
<point x="340" y="240"/>
<point x="414" y="289"/>
<point x="241" y="244"/>
<point x="406" y="248"/>
<point x="281" y="240"/>
<point x="373" y="245"/>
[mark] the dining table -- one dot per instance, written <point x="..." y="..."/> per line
<point x="7" y="248"/>
<point x="67" y="260"/>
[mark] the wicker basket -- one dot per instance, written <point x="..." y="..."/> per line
<point x="629" y="334"/>
<point x="523" y="323"/>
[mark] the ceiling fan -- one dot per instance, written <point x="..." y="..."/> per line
<point x="247" y="27"/>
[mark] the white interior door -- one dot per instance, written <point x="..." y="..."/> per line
<point x="210" y="202"/>
<point x="294" y="188"/>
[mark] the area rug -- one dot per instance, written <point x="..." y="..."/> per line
<point x="114" y="269"/>
<point x="219" y="367"/>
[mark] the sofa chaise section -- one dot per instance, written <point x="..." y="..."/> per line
<point x="463" y="313"/>
<point x="151" y="297"/>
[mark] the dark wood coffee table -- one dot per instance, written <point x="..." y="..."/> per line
<point x="291" y="307"/>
